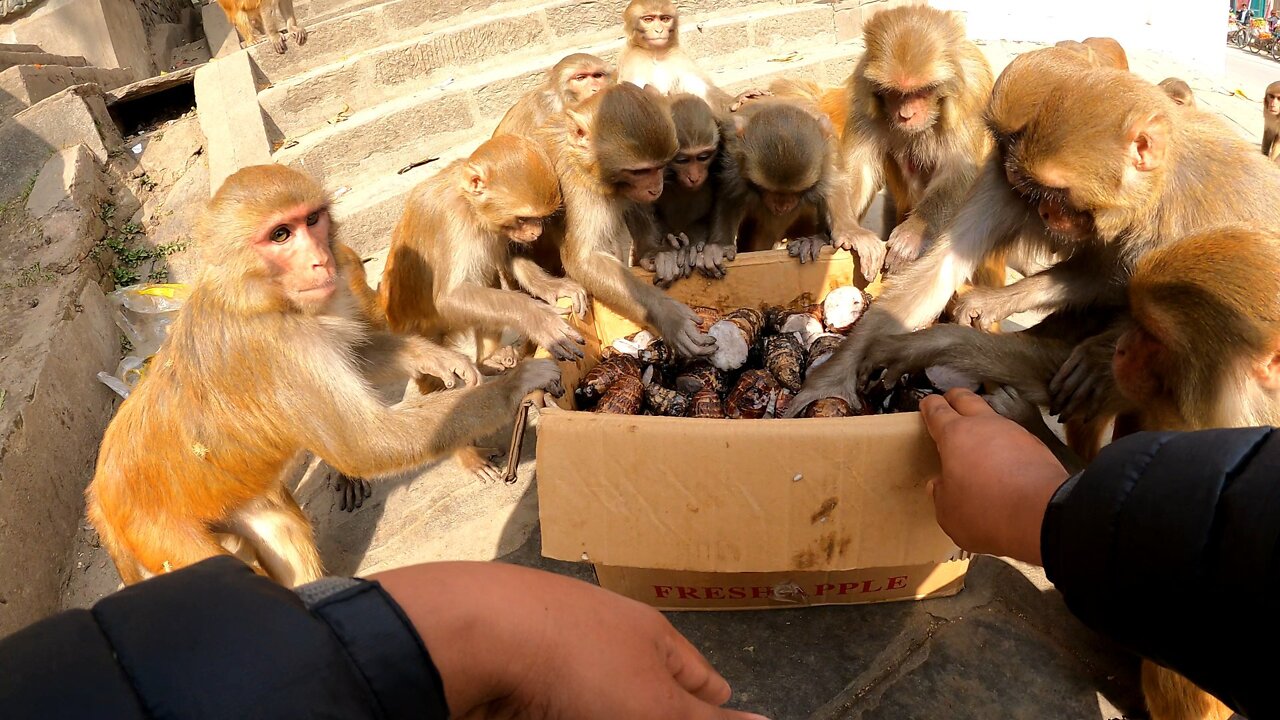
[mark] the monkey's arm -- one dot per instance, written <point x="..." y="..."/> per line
<point x="730" y="210"/>
<point x="990" y="218"/>
<point x="613" y="284"/>
<point x="346" y="425"/>
<point x="1018" y="360"/>
<point x="857" y="178"/>
<point x="1268" y="142"/>
<point x="387" y="357"/>
<point x="945" y="193"/>
<point x="352" y="267"/>
<point x="470" y="304"/>
<point x="530" y="276"/>
<point x="1078" y="281"/>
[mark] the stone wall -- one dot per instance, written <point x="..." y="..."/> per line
<point x="156" y="12"/>
<point x="107" y="33"/>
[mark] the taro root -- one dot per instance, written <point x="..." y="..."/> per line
<point x="821" y="350"/>
<point x="698" y="376"/>
<point x="844" y="307"/>
<point x="752" y="396"/>
<point x="735" y="335"/>
<point x="631" y="344"/>
<point x="656" y="353"/>
<point x="624" y="396"/>
<point x="662" y="400"/>
<point x="706" y="403"/>
<point x="707" y="316"/>
<point x="599" y="378"/>
<point x="784" y="358"/>
<point x="781" y="402"/>
<point x="805" y="327"/>
<point x="831" y="407"/>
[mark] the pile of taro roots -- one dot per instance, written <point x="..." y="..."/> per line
<point x="760" y="363"/>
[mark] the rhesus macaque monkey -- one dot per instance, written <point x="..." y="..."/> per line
<point x="571" y="81"/>
<point x="915" y="124"/>
<point x="251" y="16"/>
<point x="1178" y="90"/>
<point x="1104" y="185"/>
<point x="1271" y="122"/>
<point x="688" y="198"/>
<point x="1100" y="51"/>
<point x="610" y="154"/>
<point x="1200" y="349"/>
<point x="653" y="55"/>
<point x="269" y="358"/>
<point x="778" y="179"/>
<point x="451" y="251"/>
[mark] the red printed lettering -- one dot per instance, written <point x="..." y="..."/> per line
<point x="897" y="581"/>
<point x="737" y="593"/>
<point x="714" y="593"/>
<point x="823" y="588"/>
<point x="687" y="593"/>
<point x="869" y="586"/>
<point x="761" y="592"/>
<point x="662" y="590"/>
<point x="846" y="588"/>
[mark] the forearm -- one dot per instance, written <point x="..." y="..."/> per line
<point x="471" y="305"/>
<point x="611" y="283"/>
<point x="1167" y="543"/>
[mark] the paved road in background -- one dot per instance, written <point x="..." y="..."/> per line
<point x="1251" y="73"/>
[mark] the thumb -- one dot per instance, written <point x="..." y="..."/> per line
<point x="695" y="709"/>
<point x="937" y="414"/>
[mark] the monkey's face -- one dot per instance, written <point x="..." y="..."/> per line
<point x="1272" y="103"/>
<point x="655" y="29"/>
<point x="1064" y="217"/>
<point x="692" y="166"/>
<point x="584" y="82"/>
<point x="640" y="184"/>
<point x="523" y="230"/>
<point x="294" y="246"/>
<point x="911" y="111"/>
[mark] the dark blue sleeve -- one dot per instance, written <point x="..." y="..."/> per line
<point x="214" y="640"/>
<point x="1170" y="544"/>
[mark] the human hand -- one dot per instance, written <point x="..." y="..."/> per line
<point x="997" y="479"/>
<point x="509" y="641"/>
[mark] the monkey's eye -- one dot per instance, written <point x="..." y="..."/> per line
<point x="598" y="75"/>
<point x="665" y="18"/>
<point x="313" y="218"/>
<point x="681" y="160"/>
<point x="706" y="157"/>
<point x="579" y="78"/>
<point x="648" y="18"/>
<point x="281" y="234"/>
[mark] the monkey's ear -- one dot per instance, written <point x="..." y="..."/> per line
<point x="474" y="181"/>
<point x="579" y="129"/>
<point x="1148" y="142"/>
<point x="739" y="125"/>
<point x="653" y="91"/>
<point x="1268" y="373"/>
<point x="828" y="127"/>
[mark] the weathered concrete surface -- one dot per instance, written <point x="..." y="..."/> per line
<point x="232" y="122"/>
<point x="66" y="201"/>
<point x="25" y="85"/>
<point x="107" y="33"/>
<point x="218" y="32"/>
<point x="10" y="58"/>
<point x="75" y="116"/>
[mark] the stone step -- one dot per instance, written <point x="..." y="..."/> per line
<point x="17" y="47"/>
<point x="515" y="40"/>
<point x="369" y="210"/>
<point x="21" y="86"/>
<point x="347" y="35"/>
<point x="383" y="136"/>
<point x="10" y="58"/>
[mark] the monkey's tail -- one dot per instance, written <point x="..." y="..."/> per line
<point x="238" y="12"/>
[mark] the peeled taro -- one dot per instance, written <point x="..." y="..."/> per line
<point x="844" y="307"/>
<point x="735" y="335"/>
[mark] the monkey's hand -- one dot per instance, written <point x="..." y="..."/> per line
<point x="453" y="368"/>
<point x="982" y="307"/>
<point x="541" y="374"/>
<point x="747" y="96"/>
<point x="552" y="333"/>
<point x="1084" y="385"/>
<point x="1010" y="403"/>
<point x="711" y="258"/>
<point x="678" y="326"/>
<point x="571" y="290"/>
<point x="277" y="42"/>
<point x="807" y="248"/>
<point x="352" y="492"/>
<point x="834" y="378"/>
<point x="906" y="242"/>
<point x="866" y="245"/>
<point x="299" y="35"/>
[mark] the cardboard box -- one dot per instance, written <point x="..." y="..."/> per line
<point x="691" y="514"/>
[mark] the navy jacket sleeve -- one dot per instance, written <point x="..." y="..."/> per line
<point x="214" y="640"/>
<point x="1170" y="543"/>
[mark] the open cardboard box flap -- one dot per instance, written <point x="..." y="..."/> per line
<point x="737" y="495"/>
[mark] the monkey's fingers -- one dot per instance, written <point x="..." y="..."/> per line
<point x="648" y="263"/>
